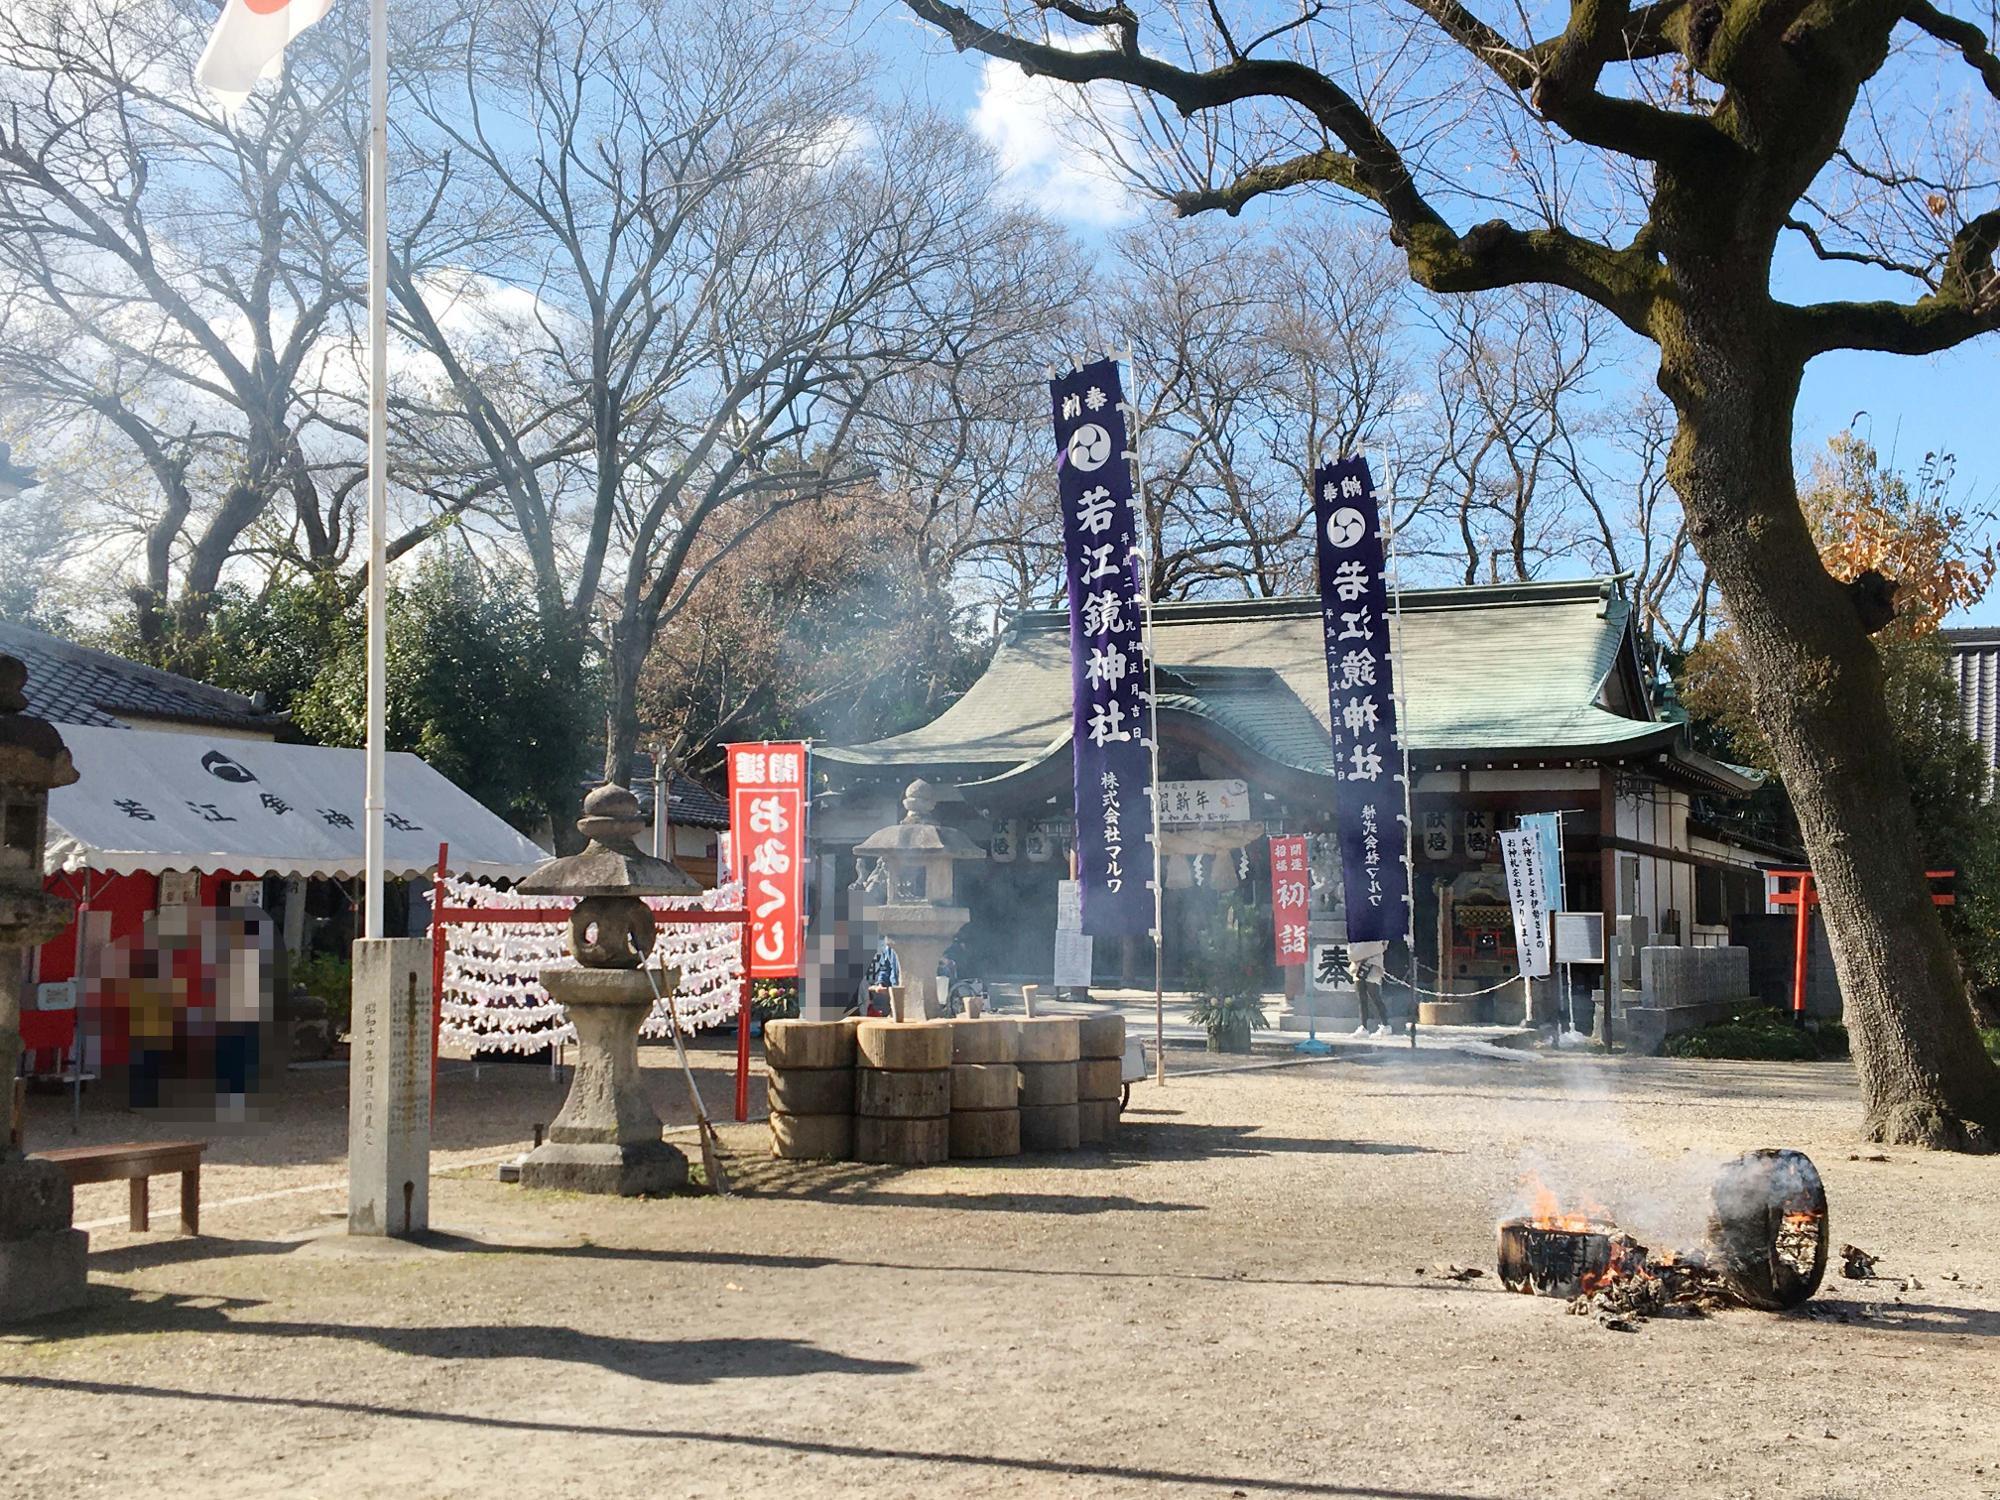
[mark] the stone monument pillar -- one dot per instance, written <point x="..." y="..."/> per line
<point x="607" y="1137"/>
<point x="915" y="911"/>
<point x="389" y="1089"/>
<point x="41" y="1255"/>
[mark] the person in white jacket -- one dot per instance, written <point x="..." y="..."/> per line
<point x="1368" y="972"/>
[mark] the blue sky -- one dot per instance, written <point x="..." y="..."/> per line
<point x="1906" y="406"/>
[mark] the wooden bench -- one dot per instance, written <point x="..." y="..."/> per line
<point x="136" y="1162"/>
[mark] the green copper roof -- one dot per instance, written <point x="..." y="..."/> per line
<point x="1489" y="670"/>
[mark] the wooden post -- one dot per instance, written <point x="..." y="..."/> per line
<point x="1607" y="859"/>
<point x="1445" y="903"/>
<point x="1801" y="943"/>
<point x="438" y="940"/>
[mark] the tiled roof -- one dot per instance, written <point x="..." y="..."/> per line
<point x="1514" y="668"/>
<point x="689" y="803"/>
<point x="72" y="684"/>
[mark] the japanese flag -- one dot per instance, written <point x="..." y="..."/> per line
<point x="248" y="43"/>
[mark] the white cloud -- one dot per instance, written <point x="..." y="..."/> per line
<point x="844" y="138"/>
<point x="1051" y="152"/>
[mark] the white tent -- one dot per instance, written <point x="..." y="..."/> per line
<point x="156" y="800"/>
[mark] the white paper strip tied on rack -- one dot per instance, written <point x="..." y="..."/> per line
<point x="493" y="998"/>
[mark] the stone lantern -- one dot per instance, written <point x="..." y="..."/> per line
<point x="41" y="1256"/>
<point x="915" y="912"/>
<point x="607" y="1138"/>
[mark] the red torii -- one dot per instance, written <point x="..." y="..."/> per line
<point x="444" y="915"/>
<point x="1802" y="896"/>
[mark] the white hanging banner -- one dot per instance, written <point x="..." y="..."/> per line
<point x="1527" y="894"/>
<point x="1073" y="959"/>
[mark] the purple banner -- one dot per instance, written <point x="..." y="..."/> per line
<point x="1113" y="758"/>
<point x="1367" y="754"/>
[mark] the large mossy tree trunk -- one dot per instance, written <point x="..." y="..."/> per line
<point x="1817" y="685"/>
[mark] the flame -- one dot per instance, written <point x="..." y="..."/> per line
<point x="1545" y="1210"/>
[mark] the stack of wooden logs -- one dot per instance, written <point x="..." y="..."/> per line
<point x="910" y="1093"/>
<point x="1048" y="1083"/>
<point x="811" y="1078"/>
<point x="985" y="1088"/>
<point x="902" y="1092"/>
<point x="1100" y="1081"/>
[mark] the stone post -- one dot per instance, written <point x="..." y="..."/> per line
<point x="388" y="1089"/>
<point x="41" y="1256"/>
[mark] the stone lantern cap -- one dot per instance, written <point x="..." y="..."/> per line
<point x="611" y="864"/>
<point x="32" y="753"/>
<point x="919" y="836"/>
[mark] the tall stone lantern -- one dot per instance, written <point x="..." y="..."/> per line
<point x="41" y="1256"/>
<point x="607" y="1137"/>
<point x="916" y="913"/>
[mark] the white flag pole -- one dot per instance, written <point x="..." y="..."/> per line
<point x="378" y="453"/>
<point x="1387" y="512"/>
<point x="1143" y="532"/>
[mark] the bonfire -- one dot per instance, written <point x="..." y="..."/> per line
<point x="1766" y="1248"/>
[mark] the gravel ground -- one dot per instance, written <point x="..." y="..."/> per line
<point x="1239" y="1299"/>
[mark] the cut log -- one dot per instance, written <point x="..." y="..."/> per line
<point x="812" y="1091"/>
<point x="882" y="1095"/>
<point x="1100" y="1036"/>
<point x="1047" y="1039"/>
<point x="809" y="1044"/>
<point x="977" y="1133"/>
<point x="812" y="1137"/>
<point x="984" y="1086"/>
<point x="1049" y="1127"/>
<point x="904" y="1046"/>
<point x="903" y="1143"/>
<point x="987" y="1040"/>
<point x="1099" y="1078"/>
<point x="1097" y="1121"/>
<point x="1048" y="1083"/>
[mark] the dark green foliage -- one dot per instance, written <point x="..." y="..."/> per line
<point x="330" y="979"/>
<point x="478" y="686"/>
<point x="1227" y="973"/>
<point x="276" y="642"/>
<point x="1762" y="1036"/>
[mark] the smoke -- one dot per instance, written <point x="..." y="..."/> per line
<point x="1593" y="1161"/>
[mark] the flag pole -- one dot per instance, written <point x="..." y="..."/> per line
<point x="1152" y="728"/>
<point x="378" y="454"/>
<point x="1403" y="743"/>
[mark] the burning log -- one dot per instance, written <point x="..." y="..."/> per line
<point x="1769" y="1229"/>
<point x="1767" y="1245"/>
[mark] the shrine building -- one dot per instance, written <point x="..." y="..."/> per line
<point x="1518" y="698"/>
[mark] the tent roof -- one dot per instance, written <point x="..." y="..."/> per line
<point x="1523" y="668"/>
<point x="151" y="800"/>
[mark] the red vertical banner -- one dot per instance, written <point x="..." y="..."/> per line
<point x="767" y="820"/>
<point x="1290" y="888"/>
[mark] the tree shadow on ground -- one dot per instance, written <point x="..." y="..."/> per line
<point x="659" y="1361"/>
<point x="1905" y="1317"/>
<point x="1053" y="1475"/>
<point x="862" y="1183"/>
<point x="1156" y="1142"/>
<point x="145" y="1256"/>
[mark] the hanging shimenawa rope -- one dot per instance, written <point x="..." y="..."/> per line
<point x="493" y="999"/>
